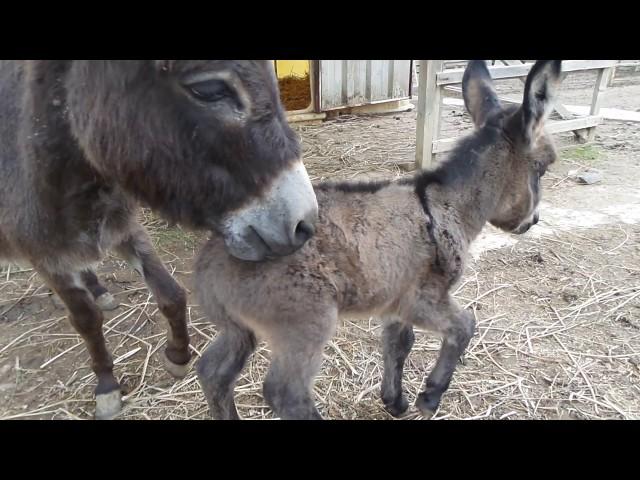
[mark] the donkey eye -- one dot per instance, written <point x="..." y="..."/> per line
<point x="209" y="91"/>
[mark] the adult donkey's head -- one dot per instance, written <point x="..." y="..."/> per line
<point x="203" y="142"/>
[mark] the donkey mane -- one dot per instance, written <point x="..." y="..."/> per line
<point x="372" y="186"/>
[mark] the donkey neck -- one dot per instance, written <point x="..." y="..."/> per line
<point x="54" y="163"/>
<point x="61" y="185"/>
<point x="469" y="184"/>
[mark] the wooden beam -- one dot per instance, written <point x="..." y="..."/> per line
<point x="601" y="85"/>
<point x="429" y="104"/>
<point x="447" y="144"/>
<point x="448" y="77"/>
<point x="573" y="124"/>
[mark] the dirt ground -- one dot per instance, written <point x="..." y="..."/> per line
<point x="558" y="308"/>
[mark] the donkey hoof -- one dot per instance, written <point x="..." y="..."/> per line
<point x="57" y="303"/>
<point x="427" y="406"/>
<point x="175" y="369"/>
<point x="108" y="405"/>
<point x="398" y="407"/>
<point x="427" y="414"/>
<point x="107" y="302"/>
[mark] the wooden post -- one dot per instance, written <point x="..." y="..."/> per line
<point x="601" y="86"/>
<point x="612" y="76"/>
<point x="429" y="103"/>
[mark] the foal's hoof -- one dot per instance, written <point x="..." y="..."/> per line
<point x="107" y="302"/>
<point x="398" y="407"/>
<point x="175" y="369"/>
<point x="56" y="301"/>
<point x="108" y="405"/>
<point x="427" y="406"/>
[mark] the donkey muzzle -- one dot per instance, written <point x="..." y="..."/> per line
<point x="527" y="224"/>
<point x="277" y="224"/>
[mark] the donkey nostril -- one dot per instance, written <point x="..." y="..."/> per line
<point x="536" y="217"/>
<point x="304" y="231"/>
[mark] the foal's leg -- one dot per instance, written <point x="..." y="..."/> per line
<point x="287" y="388"/>
<point x="220" y="365"/>
<point x="171" y="297"/>
<point x="103" y="298"/>
<point x="297" y="356"/>
<point x="397" y="340"/>
<point x="457" y="327"/>
<point x="87" y="319"/>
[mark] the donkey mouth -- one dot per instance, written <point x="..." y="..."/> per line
<point x="267" y="252"/>
<point x="522" y="229"/>
<point x="526" y="226"/>
<point x="253" y="247"/>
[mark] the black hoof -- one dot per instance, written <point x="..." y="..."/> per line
<point x="427" y="404"/>
<point x="397" y="407"/>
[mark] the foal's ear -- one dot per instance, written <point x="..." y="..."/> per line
<point x="477" y="90"/>
<point x="539" y="94"/>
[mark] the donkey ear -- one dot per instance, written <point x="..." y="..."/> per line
<point x="477" y="90"/>
<point x="539" y="94"/>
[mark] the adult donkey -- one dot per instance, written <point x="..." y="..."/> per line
<point x="203" y="143"/>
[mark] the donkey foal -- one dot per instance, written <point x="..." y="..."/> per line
<point x="393" y="249"/>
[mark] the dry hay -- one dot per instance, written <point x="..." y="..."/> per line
<point x="352" y="146"/>
<point x="295" y="92"/>
<point x="557" y="338"/>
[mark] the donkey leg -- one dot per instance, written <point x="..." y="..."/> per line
<point x="397" y="340"/>
<point x="287" y="388"/>
<point x="457" y="327"/>
<point x="219" y="367"/>
<point x="86" y="318"/>
<point x="171" y="298"/>
<point x="104" y="299"/>
<point x="297" y="356"/>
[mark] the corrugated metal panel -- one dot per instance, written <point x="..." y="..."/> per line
<point x="349" y="83"/>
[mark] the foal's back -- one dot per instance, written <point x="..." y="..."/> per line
<point x="362" y="257"/>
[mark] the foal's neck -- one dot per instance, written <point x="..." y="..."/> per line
<point x="469" y="184"/>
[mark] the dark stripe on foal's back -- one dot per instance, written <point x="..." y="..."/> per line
<point x="422" y="181"/>
<point x="353" y="187"/>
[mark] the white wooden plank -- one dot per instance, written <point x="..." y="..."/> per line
<point x="448" y="77"/>
<point x="573" y="124"/>
<point x="447" y="144"/>
<point x="379" y="80"/>
<point x="428" y="122"/>
<point x="331" y="84"/>
<point x="401" y="78"/>
<point x="601" y="85"/>
<point x="357" y="82"/>
<point x="606" y="113"/>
